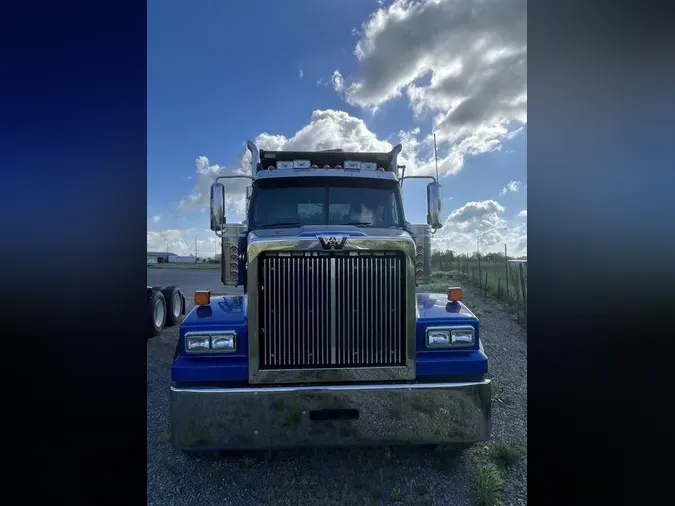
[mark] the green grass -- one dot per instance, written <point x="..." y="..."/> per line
<point x="491" y="463"/>
<point x="167" y="265"/>
<point x="497" y="392"/>
<point x="466" y="274"/>
<point x="488" y="484"/>
<point x="506" y="455"/>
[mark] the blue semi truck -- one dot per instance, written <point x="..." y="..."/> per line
<point x="330" y="343"/>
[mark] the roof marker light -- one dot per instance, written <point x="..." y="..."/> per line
<point x="455" y="294"/>
<point x="202" y="297"/>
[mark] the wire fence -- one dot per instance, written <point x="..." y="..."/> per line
<point x="494" y="276"/>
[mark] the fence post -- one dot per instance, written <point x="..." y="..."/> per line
<point x="499" y="287"/>
<point x="486" y="279"/>
<point x="506" y="263"/>
<point x="517" y="303"/>
<point x="480" y="277"/>
<point x="524" y="290"/>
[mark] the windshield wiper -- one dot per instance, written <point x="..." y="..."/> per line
<point x="282" y="224"/>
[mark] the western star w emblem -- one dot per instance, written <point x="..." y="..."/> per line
<point x="332" y="242"/>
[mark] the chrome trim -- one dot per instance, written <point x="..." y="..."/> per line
<point x="383" y="240"/>
<point x="210" y="335"/>
<point x="450" y="328"/>
<point x="422" y="236"/>
<point x="333" y="303"/>
<point x="204" y="419"/>
<point x="230" y="235"/>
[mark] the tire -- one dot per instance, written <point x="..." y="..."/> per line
<point x="174" y="301"/>
<point x="156" y="317"/>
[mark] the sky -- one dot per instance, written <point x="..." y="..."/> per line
<point x="362" y="75"/>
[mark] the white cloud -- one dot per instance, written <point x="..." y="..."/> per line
<point x="206" y="174"/>
<point x="463" y="61"/>
<point x="337" y="81"/>
<point x="511" y="187"/>
<point x="523" y="213"/>
<point x="465" y="224"/>
<point x="301" y="74"/>
<point x="156" y="219"/>
<point x="182" y="242"/>
<point x="326" y="129"/>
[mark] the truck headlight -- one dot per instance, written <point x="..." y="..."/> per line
<point x="197" y="343"/>
<point x="450" y="337"/>
<point x="223" y="342"/>
<point x="215" y="342"/>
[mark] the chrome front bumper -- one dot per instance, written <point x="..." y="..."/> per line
<point x="298" y="416"/>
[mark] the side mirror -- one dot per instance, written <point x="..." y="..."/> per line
<point x="217" y="206"/>
<point x="434" y="205"/>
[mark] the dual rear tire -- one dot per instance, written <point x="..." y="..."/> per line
<point x="165" y="307"/>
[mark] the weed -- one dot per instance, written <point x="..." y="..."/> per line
<point x="488" y="484"/>
<point x="396" y="494"/>
<point x="248" y="461"/>
<point x="497" y="393"/>
<point x="505" y="455"/>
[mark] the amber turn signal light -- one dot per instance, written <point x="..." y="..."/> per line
<point x="202" y="297"/>
<point x="454" y="294"/>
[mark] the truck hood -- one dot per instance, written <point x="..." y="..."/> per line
<point x="312" y="231"/>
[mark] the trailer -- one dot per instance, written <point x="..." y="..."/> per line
<point x="330" y="343"/>
<point x="165" y="306"/>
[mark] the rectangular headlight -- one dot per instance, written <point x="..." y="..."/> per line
<point x="450" y="337"/>
<point x="215" y="342"/>
<point x="223" y="342"/>
<point x="197" y="343"/>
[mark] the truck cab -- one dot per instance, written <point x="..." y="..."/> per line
<point x="330" y="344"/>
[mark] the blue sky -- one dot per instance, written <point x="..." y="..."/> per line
<point x="355" y="74"/>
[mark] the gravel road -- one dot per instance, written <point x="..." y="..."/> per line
<point x="341" y="476"/>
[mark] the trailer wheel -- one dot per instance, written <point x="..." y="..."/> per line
<point x="174" y="302"/>
<point x="156" y="317"/>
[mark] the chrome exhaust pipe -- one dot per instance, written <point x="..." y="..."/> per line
<point x="255" y="157"/>
<point x="394" y="158"/>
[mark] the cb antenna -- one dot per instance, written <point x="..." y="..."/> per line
<point x="436" y="157"/>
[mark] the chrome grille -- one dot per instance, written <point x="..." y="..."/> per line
<point x="327" y="311"/>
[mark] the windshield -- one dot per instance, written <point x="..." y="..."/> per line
<point x="376" y="205"/>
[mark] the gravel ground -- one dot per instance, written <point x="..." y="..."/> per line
<point x="341" y="476"/>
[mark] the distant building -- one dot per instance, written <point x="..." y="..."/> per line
<point x="158" y="257"/>
<point x="182" y="259"/>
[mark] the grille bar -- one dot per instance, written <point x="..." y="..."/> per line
<point x="331" y="311"/>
